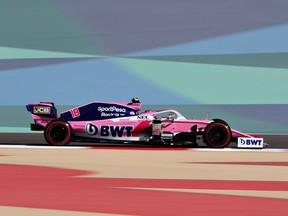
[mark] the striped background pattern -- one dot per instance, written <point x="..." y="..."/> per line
<point x="229" y="56"/>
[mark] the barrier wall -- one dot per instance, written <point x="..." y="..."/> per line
<point x="164" y="52"/>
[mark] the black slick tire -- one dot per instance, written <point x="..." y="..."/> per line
<point x="217" y="134"/>
<point x="58" y="133"/>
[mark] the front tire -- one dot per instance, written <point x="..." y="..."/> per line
<point x="58" y="133"/>
<point x="217" y="134"/>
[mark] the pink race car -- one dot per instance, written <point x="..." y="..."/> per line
<point x="123" y="122"/>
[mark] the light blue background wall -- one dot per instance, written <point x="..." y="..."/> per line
<point x="230" y="53"/>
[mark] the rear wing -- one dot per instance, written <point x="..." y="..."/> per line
<point x="42" y="114"/>
<point x="44" y="109"/>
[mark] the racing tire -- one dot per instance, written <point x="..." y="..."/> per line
<point x="217" y="134"/>
<point x="58" y="133"/>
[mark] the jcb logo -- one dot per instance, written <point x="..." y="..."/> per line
<point x="41" y="110"/>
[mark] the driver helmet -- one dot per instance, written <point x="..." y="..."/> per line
<point x="135" y="100"/>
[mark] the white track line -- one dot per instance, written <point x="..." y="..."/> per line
<point x="191" y="149"/>
<point x="43" y="147"/>
<point x="238" y="150"/>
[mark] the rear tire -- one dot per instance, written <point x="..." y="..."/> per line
<point x="217" y="134"/>
<point x="58" y="133"/>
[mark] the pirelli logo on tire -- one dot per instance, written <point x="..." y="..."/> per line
<point x="41" y="110"/>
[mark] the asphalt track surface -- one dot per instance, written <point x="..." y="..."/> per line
<point x="127" y="180"/>
<point x="274" y="141"/>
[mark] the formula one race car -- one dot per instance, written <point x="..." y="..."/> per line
<point x="123" y="122"/>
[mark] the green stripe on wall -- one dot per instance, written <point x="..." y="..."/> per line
<point x="214" y="84"/>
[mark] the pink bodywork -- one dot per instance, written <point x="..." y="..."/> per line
<point x="139" y="124"/>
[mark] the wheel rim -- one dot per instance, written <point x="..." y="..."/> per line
<point x="218" y="135"/>
<point x="58" y="133"/>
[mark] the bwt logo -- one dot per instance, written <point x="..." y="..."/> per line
<point x="106" y="130"/>
<point x="250" y="142"/>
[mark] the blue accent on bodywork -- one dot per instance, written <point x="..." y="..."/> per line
<point x="99" y="111"/>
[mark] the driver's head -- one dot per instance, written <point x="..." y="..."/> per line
<point x="135" y="100"/>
